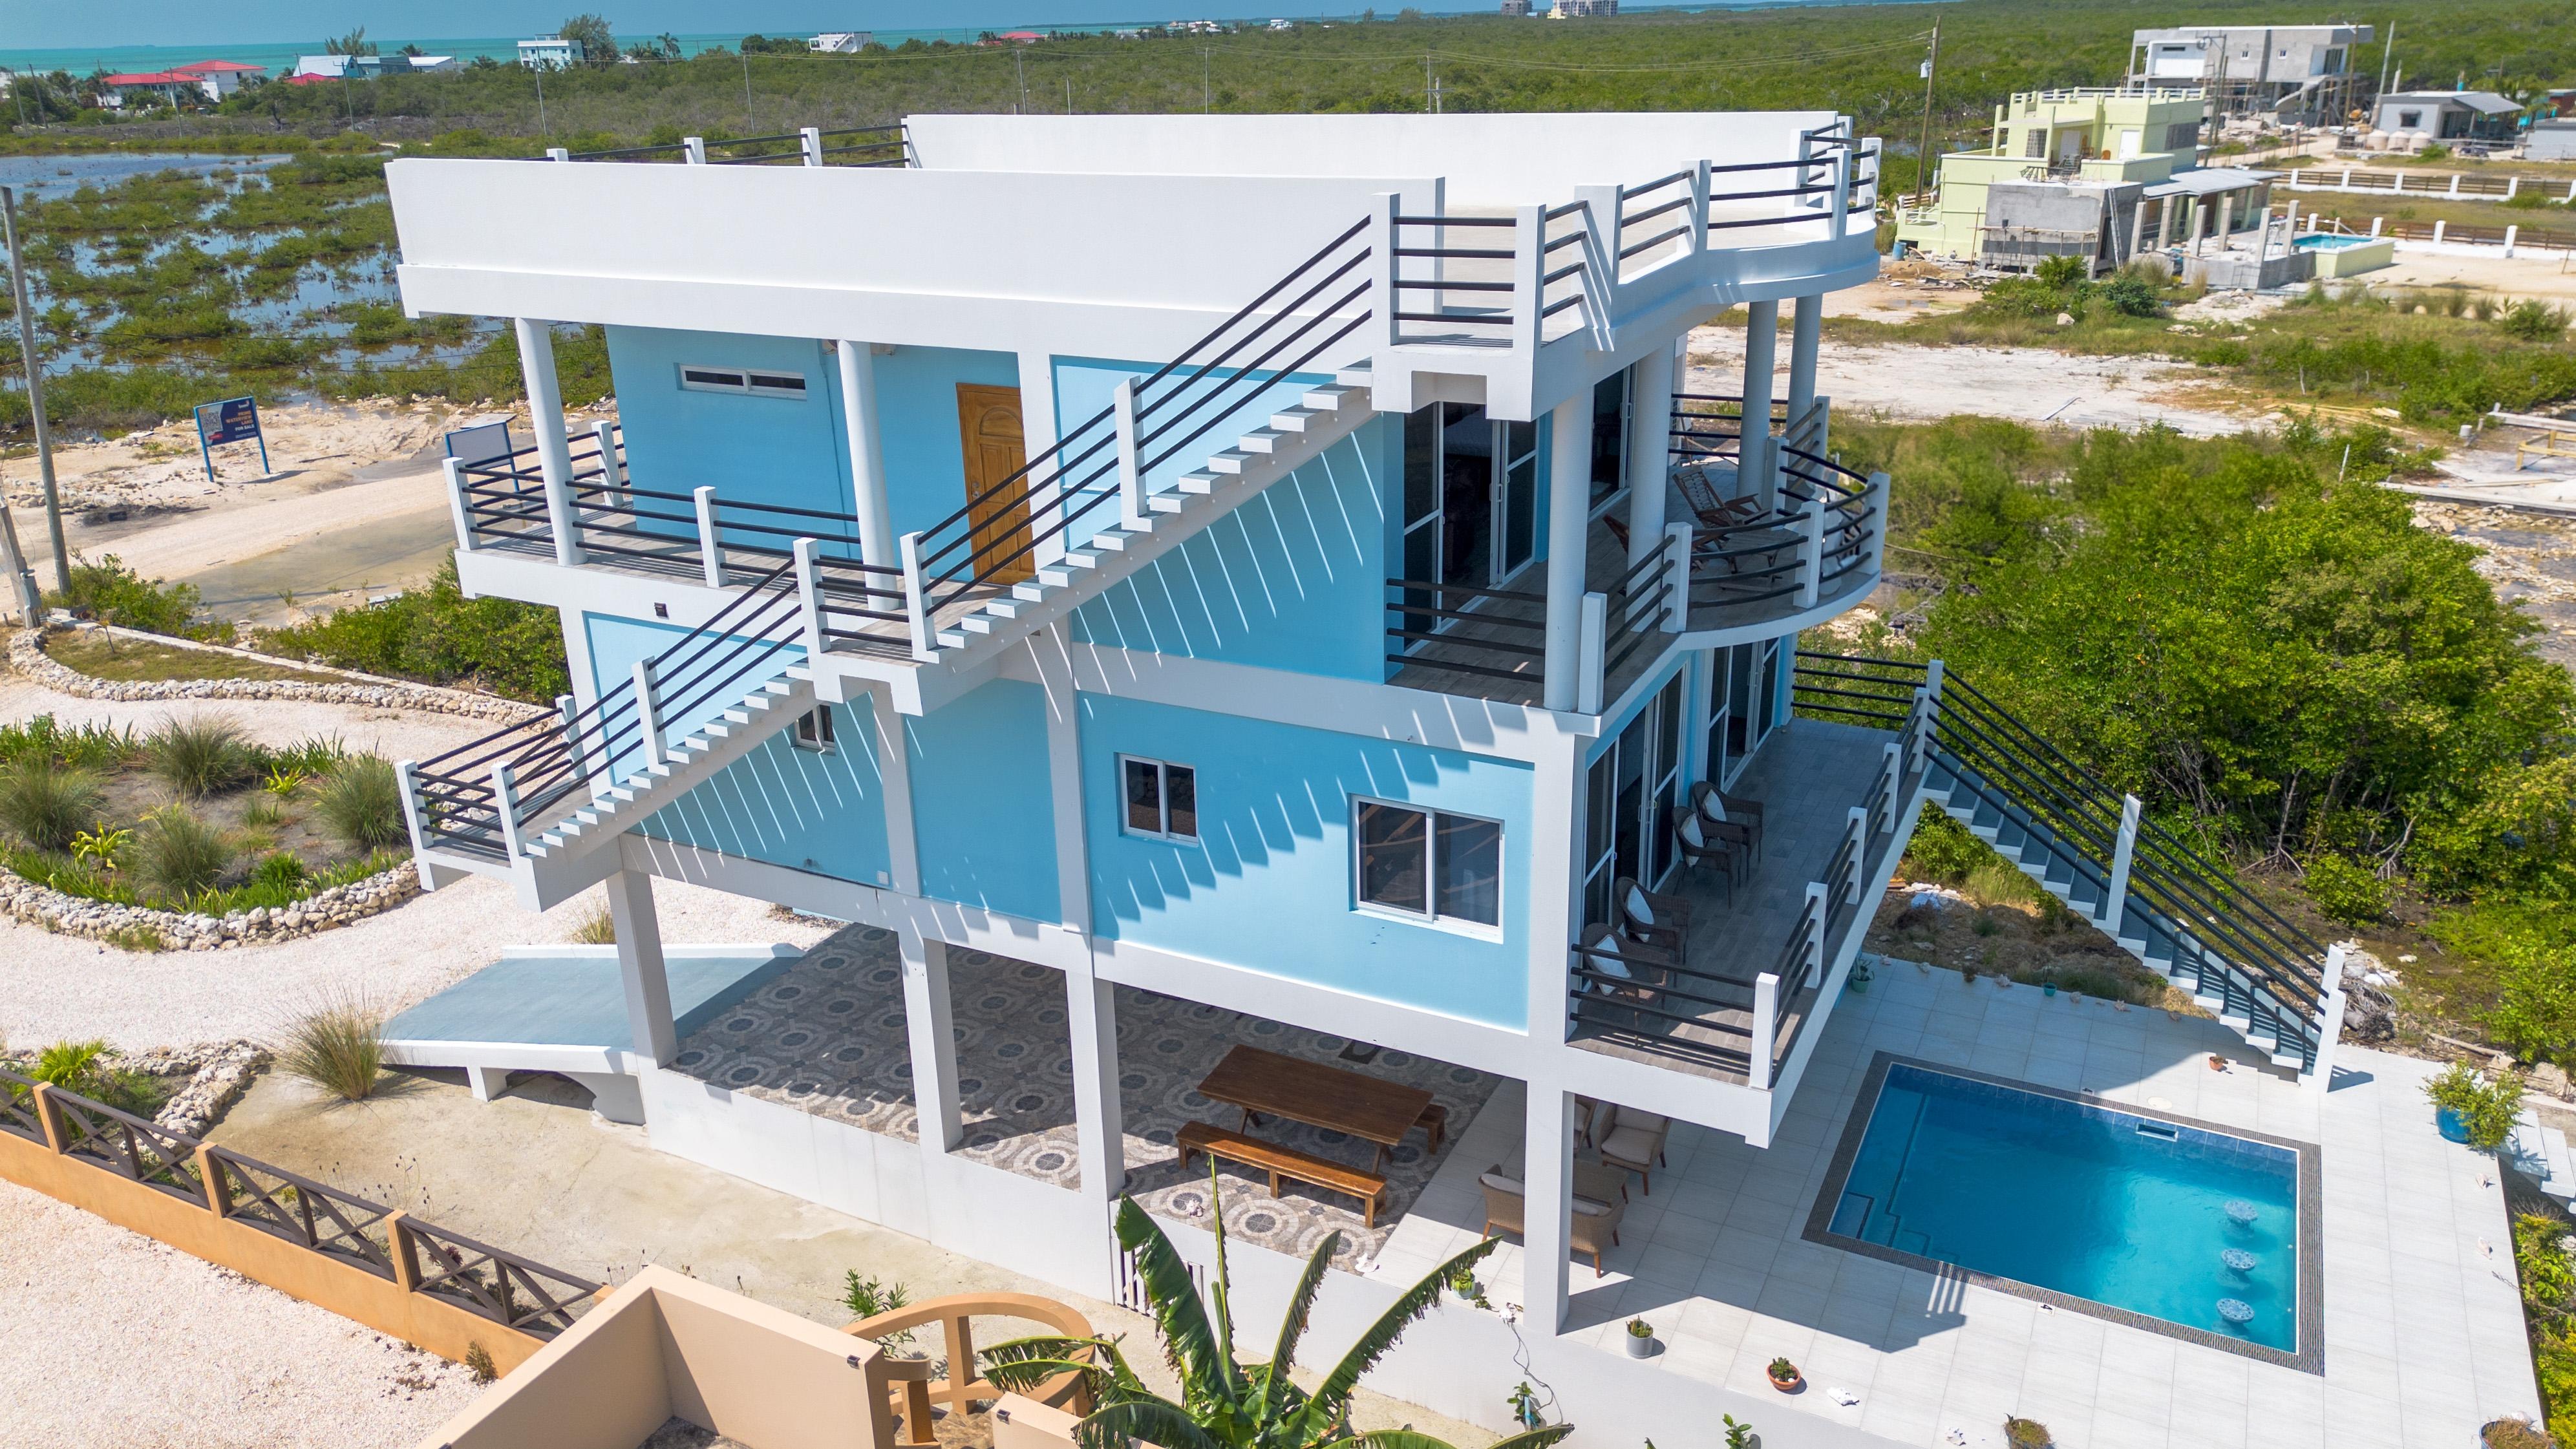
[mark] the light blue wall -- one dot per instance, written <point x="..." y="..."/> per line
<point x="982" y="809"/>
<point x="787" y="452"/>
<point x="1294" y="578"/>
<point x="925" y="458"/>
<point x="1269" y="888"/>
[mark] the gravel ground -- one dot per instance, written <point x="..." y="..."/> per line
<point x="54" y="988"/>
<point x="142" y="1346"/>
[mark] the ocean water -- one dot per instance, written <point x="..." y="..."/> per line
<point x="2117" y="1208"/>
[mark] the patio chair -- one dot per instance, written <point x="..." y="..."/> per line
<point x="1658" y="921"/>
<point x="1739" y="812"/>
<point x="1631" y="1139"/>
<point x="1625" y="971"/>
<point x="1699" y="494"/>
<point x="1592" y="1231"/>
<point x="1701" y="842"/>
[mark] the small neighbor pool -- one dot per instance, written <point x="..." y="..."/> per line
<point x="2317" y="241"/>
<point x="2197" y="1228"/>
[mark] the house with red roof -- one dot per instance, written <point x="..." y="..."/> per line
<point x="220" y="78"/>
<point x="116" y="92"/>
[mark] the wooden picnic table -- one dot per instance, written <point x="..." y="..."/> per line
<point x="1264" y="1083"/>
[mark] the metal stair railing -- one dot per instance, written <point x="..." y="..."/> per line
<point x="482" y="797"/>
<point x="2077" y="819"/>
<point x="1102" y="461"/>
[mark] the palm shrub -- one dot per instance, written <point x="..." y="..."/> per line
<point x="200" y="756"/>
<point x="339" y="1046"/>
<point x="361" y="803"/>
<point x="179" y="856"/>
<point x="46" y="804"/>
<point x="1226" y="1403"/>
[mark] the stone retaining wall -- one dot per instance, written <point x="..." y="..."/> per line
<point x="27" y="655"/>
<point x="72" y="915"/>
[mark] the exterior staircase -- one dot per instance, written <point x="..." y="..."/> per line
<point x="2091" y="848"/>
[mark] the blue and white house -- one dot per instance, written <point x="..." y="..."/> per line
<point x="1252" y="569"/>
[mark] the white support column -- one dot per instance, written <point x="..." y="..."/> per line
<point x="867" y="452"/>
<point x="1758" y="462"/>
<point x="1099" y="1116"/>
<point x="930" y="1030"/>
<point x="1806" y="327"/>
<point x="809" y="141"/>
<point x="711" y="558"/>
<point x="693" y="150"/>
<point x="487" y="1083"/>
<point x="1529" y="288"/>
<point x="1766" y="1030"/>
<point x="1600" y="253"/>
<point x="809" y="599"/>
<point x="2123" y="851"/>
<point x="1064" y="778"/>
<point x="648" y="713"/>
<point x="1547" y="1207"/>
<point x="1569" y="502"/>
<point x="1697" y="241"/>
<point x="546" y="420"/>
<point x="612" y="463"/>
<point x="894" y="772"/>
<point x="1591" y="654"/>
<point x="1385" y="300"/>
<point x="1650" y="449"/>
<point x="2320" y="1077"/>
<point x="649" y="1029"/>
<point x="1131" y="469"/>
<point x="1811" y="552"/>
<point x="459" y="511"/>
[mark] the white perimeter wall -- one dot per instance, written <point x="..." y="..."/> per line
<point x="1488" y="159"/>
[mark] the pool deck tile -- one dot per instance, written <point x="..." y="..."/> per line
<point x="2423" y="1328"/>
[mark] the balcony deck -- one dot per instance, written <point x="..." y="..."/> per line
<point x="1808" y="775"/>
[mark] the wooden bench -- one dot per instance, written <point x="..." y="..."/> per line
<point x="1279" y="1162"/>
<point x="1434" y="1123"/>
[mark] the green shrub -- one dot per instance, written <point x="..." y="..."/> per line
<point x="361" y="804"/>
<point x="439" y="636"/>
<point x="2533" y="320"/>
<point x="178" y="856"/>
<point x="92" y="747"/>
<point x="337" y="1046"/>
<point x="110" y="592"/>
<point x="2535" y="1012"/>
<point x="2484" y="1104"/>
<point x="595" y="927"/>
<point x="280" y="870"/>
<point x="205" y="755"/>
<point x="2347" y="890"/>
<point x="45" y="804"/>
<point x="1942" y="851"/>
<point x="73" y="1066"/>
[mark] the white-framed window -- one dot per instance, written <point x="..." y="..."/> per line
<point x="1159" y="799"/>
<point x="814" y="731"/>
<point x="1430" y="865"/>
<point x="751" y="380"/>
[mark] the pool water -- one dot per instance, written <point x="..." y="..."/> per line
<point x="2195" y="1227"/>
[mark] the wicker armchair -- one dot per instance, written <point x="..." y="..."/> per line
<point x="1738" y="816"/>
<point x="1657" y="921"/>
<point x="1591" y="1231"/>
<point x="1630" y="1139"/>
<point x="1702" y="843"/>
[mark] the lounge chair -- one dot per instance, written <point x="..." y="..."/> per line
<point x="1632" y="1140"/>
<point x="1593" y="1230"/>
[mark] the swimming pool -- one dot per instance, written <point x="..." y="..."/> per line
<point x="2120" y="1213"/>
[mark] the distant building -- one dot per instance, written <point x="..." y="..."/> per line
<point x="1582" y="9"/>
<point x="841" y="42"/>
<point x="2301" y="73"/>
<point x="2553" y="140"/>
<point x="220" y="78"/>
<point x="550" y="52"/>
<point x="343" y="67"/>
<point x="1516" y="7"/>
<point x="116" y="92"/>
<point x="2420" y="117"/>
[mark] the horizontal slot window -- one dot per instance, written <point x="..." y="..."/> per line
<point x="742" y="380"/>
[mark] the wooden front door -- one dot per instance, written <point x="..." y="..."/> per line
<point x="988" y="424"/>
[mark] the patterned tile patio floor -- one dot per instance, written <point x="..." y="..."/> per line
<point x="827" y="1036"/>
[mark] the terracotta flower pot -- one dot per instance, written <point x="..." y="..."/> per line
<point x="1789" y="1385"/>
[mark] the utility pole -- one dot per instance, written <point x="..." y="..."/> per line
<point x="1923" y="151"/>
<point x="748" y="120"/>
<point x="1207" y="79"/>
<point x="2387" y="52"/>
<point x="543" y="129"/>
<point x="35" y="389"/>
<point x="1020" y="69"/>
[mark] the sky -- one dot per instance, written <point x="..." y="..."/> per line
<point x="45" y="24"/>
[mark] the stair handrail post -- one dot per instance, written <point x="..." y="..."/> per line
<point x="1529" y="279"/>
<point x="558" y="153"/>
<point x="916" y="604"/>
<point x="1677" y="554"/>
<point x="1877" y="517"/>
<point x="505" y="809"/>
<point x="1590" y="654"/>
<point x="1893" y="782"/>
<point x="460" y="509"/>
<point x="407" y="777"/>
<point x="1697" y="241"/>
<point x="1820" y="911"/>
<point x="648" y="712"/>
<point x="1857" y="821"/>
<point x="567" y="717"/>
<point x="693" y="150"/>
<point x="2329" y="1023"/>
<point x="1384" y="298"/>
<point x="711" y="555"/>
<point x="1131" y="473"/>
<point x="809" y="141"/>
<point x="809" y="598"/>
<point x="1600" y="261"/>
<point x="2123" y="853"/>
<point x="612" y="464"/>
<point x="1839" y="224"/>
<point x="1766" y="1027"/>
<point x="1811" y="551"/>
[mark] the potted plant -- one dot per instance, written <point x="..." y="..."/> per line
<point x="1784" y="1376"/>
<point x="2473" y="1107"/>
<point x="1739" y="1435"/>
<point x="1641" y="1338"/>
<point x="2514" y="1434"/>
<point x="2026" y="1433"/>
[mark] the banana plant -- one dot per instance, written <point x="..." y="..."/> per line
<point x="1226" y="1403"/>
